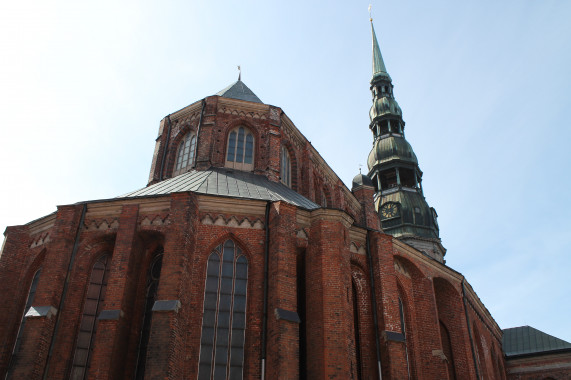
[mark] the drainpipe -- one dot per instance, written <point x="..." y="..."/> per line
<point x="198" y="133"/>
<point x="166" y="147"/>
<point x="469" y="329"/>
<point x="265" y="318"/>
<point x="65" y="288"/>
<point x="374" y="305"/>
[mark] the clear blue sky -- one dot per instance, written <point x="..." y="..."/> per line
<point x="484" y="88"/>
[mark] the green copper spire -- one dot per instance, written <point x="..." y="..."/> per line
<point x="379" y="69"/>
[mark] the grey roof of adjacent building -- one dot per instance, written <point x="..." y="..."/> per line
<point x="239" y="91"/>
<point x="227" y="183"/>
<point x="527" y="340"/>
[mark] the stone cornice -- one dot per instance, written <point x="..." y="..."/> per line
<point x="42" y="224"/>
<point x="242" y="105"/>
<point x="196" y="106"/>
<point x="231" y="206"/>
<point x="332" y="215"/>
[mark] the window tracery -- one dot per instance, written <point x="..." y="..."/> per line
<point x="224" y="314"/>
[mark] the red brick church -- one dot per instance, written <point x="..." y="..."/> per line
<point x="246" y="257"/>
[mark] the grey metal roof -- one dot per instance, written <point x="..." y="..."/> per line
<point x="239" y="91"/>
<point x="228" y="183"/>
<point x="527" y="340"/>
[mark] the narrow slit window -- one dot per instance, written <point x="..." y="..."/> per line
<point x="285" y="170"/>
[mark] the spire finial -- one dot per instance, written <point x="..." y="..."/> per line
<point x="379" y="69"/>
<point x="370" y="17"/>
<point x="239" y="73"/>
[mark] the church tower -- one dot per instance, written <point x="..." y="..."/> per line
<point x="394" y="170"/>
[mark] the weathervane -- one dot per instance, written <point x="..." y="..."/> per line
<point x="239" y="73"/>
<point x="361" y="164"/>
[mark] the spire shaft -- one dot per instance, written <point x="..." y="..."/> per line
<point x="379" y="69"/>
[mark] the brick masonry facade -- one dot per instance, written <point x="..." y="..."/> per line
<point x="343" y="299"/>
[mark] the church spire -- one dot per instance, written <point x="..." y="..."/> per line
<point x="379" y="69"/>
<point x="394" y="170"/>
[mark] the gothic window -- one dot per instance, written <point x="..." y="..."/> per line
<point x="323" y="196"/>
<point x="153" y="277"/>
<point x="240" y="149"/>
<point x="285" y="170"/>
<point x="403" y="327"/>
<point x="29" y="302"/>
<point x="185" y="154"/>
<point x="88" y="325"/>
<point x="224" y="314"/>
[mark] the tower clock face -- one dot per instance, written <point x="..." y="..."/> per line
<point x="389" y="210"/>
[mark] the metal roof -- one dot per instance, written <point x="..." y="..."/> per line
<point x="239" y="91"/>
<point x="527" y="340"/>
<point x="228" y="183"/>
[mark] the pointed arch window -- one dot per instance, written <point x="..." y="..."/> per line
<point x="240" y="149"/>
<point x="224" y="314"/>
<point x="29" y="302"/>
<point x="185" y="155"/>
<point x="88" y="325"/>
<point x="285" y="168"/>
<point x="153" y="278"/>
<point x="404" y="333"/>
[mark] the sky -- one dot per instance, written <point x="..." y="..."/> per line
<point x="483" y="85"/>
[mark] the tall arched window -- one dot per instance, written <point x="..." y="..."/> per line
<point x="403" y="327"/>
<point x="88" y="325"/>
<point x="153" y="278"/>
<point x="29" y="302"/>
<point x="285" y="168"/>
<point x="224" y="318"/>
<point x="185" y="154"/>
<point x="240" y="149"/>
<point x="323" y="197"/>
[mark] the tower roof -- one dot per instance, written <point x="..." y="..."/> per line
<point x="240" y="91"/>
<point x="379" y="69"/>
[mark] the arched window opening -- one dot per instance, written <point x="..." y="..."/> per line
<point x="388" y="179"/>
<point x="224" y="314"/>
<point x="356" y="331"/>
<point x="29" y="302"/>
<point x="384" y="127"/>
<point x="285" y="169"/>
<point x="185" y="154"/>
<point x="153" y="278"/>
<point x="323" y="196"/>
<point x="447" y="349"/>
<point x="404" y="333"/>
<point x="88" y="325"/>
<point x="240" y="149"/>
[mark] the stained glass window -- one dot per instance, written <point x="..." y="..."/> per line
<point x="224" y="314"/>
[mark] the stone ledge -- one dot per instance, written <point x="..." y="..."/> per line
<point x="167" y="305"/>
<point x="41" y="311"/>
